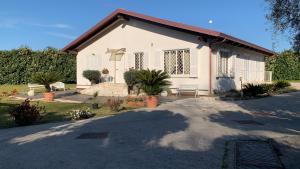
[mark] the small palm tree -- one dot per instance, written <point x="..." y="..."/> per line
<point x="45" y="79"/>
<point x="153" y="82"/>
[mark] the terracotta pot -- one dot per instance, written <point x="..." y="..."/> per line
<point x="152" y="101"/>
<point x="49" y="96"/>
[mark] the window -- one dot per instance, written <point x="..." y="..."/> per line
<point x="177" y="62"/>
<point x="224" y="69"/>
<point x="139" y="60"/>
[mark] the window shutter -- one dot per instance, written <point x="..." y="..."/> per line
<point x="218" y="64"/>
<point x="146" y="60"/>
<point x="158" y="60"/>
<point x="194" y="63"/>
<point x="232" y="68"/>
<point x="130" y="60"/>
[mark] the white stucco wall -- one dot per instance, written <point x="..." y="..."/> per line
<point x="138" y="36"/>
<point x="249" y="66"/>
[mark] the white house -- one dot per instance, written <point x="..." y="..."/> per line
<point x="205" y="58"/>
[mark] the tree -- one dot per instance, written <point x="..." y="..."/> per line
<point x="285" y="17"/>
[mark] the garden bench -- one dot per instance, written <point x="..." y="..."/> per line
<point x="187" y="88"/>
<point x="57" y="85"/>
<point x="33" y="86"/>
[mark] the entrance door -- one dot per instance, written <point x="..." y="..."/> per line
<point x="120" y="69"/>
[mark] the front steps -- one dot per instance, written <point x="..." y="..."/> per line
<point x="107" y="89"/>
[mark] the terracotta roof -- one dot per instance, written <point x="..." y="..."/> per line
<point x="179" y="26"/>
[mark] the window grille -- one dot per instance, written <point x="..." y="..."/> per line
<point x="139" y="60"/>
<point x="177" y="62"/>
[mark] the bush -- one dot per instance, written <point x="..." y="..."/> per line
<point x="114" y="104"/>
<point x="285" y="65"/>
<point x="267" y="87"/>
<point x="45" y="79"/>
<point x="281" y="84"/>
<point x="81" y="114"/>
<point x="18" y="65"/>
<point x="131" y="80"/>
<point x="93" y="76"/>
<point x="153" y="82"/>
<point x="25" y="114"/>
<point x="254" y="90"/>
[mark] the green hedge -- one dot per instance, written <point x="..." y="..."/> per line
<point x="285" y="66"/>
<point x="18" y="65"/>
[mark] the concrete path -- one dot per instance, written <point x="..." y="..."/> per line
<point x="184" y="134"/>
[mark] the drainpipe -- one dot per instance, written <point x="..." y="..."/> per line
<point x="210" y="69"/>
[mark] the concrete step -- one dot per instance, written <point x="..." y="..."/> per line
<point x="107" y="89"/>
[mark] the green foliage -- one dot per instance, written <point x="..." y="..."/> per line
<point x="268" y="88"/>
<point x="25" y="114"/>
<point x="45" y="79"/>
<point x="153" y="82"/>
<point x="130" y="77"/>
<point x="285" y="17"/>
<point x="93" y="76"/>
<point x="18" y="65"/>
<point x="285" y="66"/>
<point x="281" y="84"/>
<point x="254" y="90"/>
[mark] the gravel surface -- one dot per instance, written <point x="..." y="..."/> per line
<point x="183" y="134"/>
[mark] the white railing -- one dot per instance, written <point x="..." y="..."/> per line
<point x="268" y="76"/>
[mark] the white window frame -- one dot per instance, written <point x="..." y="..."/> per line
<point x="141" y="64"/>
<point x="183" y="62"/>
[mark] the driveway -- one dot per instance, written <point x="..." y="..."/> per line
<point x="184" y="134"/>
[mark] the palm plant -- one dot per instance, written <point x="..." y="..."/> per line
<point x="153" y="82"/>
<point x="45" y="79"/>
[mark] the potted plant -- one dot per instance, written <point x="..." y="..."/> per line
<point x="105" y="73"/>
<point x="46" y="79"/>
<point x="153" y="82"/>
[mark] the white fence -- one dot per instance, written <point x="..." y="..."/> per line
<point x="268" y="76"/>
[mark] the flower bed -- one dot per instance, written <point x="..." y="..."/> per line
<point x="135" y="101"/>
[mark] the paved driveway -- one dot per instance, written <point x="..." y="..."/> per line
<point x="185" y="134"/>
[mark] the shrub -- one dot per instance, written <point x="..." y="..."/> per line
<point x="153" y="82"/>
<point x="281" y="84"/>
<point x="93" y="76"/>
<point x="80" y="114"/>
<point x="25" y="114"/>
<point x="18" y="65"/>
<point x="131" y="80"/>
<point x="250" y="89"/>
<point x="114" y="104"/>
<point x="45" y="79"/>
<point x="267" y="87"/>
<point x="285" y="65"/>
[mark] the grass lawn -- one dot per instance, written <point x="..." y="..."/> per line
<point x="23" y="88"/>
<point x="55" y="111"/>
<point x="294" y="81"/>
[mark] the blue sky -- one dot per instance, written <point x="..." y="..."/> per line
<point x="41" y="23"/>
